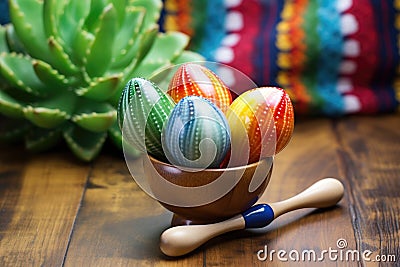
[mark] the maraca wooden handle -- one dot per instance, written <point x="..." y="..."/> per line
<point x="322" y="194"/>
<point x="181" y="240"/>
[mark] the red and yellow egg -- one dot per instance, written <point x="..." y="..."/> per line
<point x="262" y="121"/>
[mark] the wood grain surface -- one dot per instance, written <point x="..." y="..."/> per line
<point x="56" y="211"/>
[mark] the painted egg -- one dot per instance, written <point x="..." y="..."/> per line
<point x="196" y="134"/>
<point x="195" y="79"/>
<point x="142" y="111"/>
<point x="261" y="122"/>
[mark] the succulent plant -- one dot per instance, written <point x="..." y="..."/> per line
<point x="64" y="64"/>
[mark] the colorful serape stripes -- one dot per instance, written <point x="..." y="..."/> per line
<point x="333" y="57"/>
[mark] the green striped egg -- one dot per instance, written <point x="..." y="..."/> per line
<point x="142" y="111"/>
<point x="196" y="134"/>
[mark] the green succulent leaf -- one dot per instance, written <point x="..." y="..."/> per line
<point x="141" y="48"/>
<point x="153" y="8"/>
<point x="146" y="43"/>
<point x="3" y="40"/>
<point x="52" y="10"/>
<point x="120" y="6"/>
<point x="62" y="60"/>
<point x="3" y="49"/>
<point x="166" y="48"/>
<point x="49" y="76"/>
<point x="85" y="144"/>
<point x="18" y="70"/>
<point x="94" y="116"/>
<point x="45" y="117"/>
<point x="26" y="17"/>
<point x="10" y="107"/>
<point x="13" y="42"/>
<point x="82" y="40"/>
<point x="136" y="52"/>
<point x="141" y="41"/>
<point x="101" y="89"/>
<point x="96" y="9"/>
<point x="188" y="56"/>
<point x="52" y="112"/>
<point x="39" y="139"/>
<point x="12" y="130"/>
<point x="98" y="59"/>
<point x="78" y="10"/>
<point x="127" y="36"/>
<point x="69" y="25"/>
<point x="62" y="17"/>
<point x="22" y="97"/>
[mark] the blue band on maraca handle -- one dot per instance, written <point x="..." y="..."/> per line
<point x="258" y="216"/>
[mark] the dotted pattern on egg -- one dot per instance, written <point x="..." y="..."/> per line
<point x="267" y="115"/>
<point x="278" y="102"/>
<point x="193" y="120"/>
<point x="194" y="79"/>
<point x="146" y="108"/>
<point x="257" y="120"/>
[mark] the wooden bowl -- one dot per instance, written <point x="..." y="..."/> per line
<point x="238" y="199"/>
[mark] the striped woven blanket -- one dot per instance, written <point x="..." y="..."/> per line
<point x="333" y="57"/>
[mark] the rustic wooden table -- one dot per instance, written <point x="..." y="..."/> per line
<point x="57" y="211"/>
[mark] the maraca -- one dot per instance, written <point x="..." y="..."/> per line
<point x="261" y="120"/>
<point x="180" y="240"/>
<point x="195" y="79"/>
